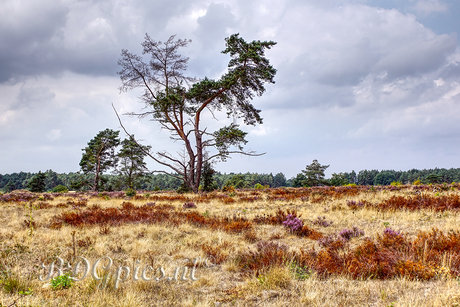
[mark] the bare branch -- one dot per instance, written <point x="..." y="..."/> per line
<point x="140" y="146"/>
<point x="249" y="153"/>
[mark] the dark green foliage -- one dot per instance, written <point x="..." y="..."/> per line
<point x="15" y="181"/>
<point x="229" y="136"/>
<point x="10" y="186"/>
<point x="130" y="192"/>
<point x="433" y="178"/>
<point x="207" y="181"/>
<point x="237" y="181"/>
<point x="299" y="180"/>
<point x="60" y="189"/>
<point x="366" y="177"/>
<point x="12" y="283"/>
<point x="79" y="181"/>
<point x="338" y="179"/>
<point x="184" y="189"/>
<point x="61" y="282"/>
<point x="384" y="178"/>
<point x="99" y="156"/>
<point x="314" y="174"/>
<point x="351" y="177"/>
<point x="37" y="183"/>
<point x="279" y="180"/>
<point x="52" y="180"/>
<point x="132" y="166"/>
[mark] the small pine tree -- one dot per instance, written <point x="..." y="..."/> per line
<point x="314" y="174"/>
<point x="132" y="166"/>
<point x="9" y="187"/>
<point x="37" y="183"/>
<point x="207" y="180"/>
<point x="99" y="156"/>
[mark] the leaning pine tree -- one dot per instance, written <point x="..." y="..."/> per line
<point x="177" y="102"/>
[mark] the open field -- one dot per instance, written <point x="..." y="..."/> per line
<point x="338" y="246"/>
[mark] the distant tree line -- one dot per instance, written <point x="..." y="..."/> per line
<point x="152" y="182"/>
<point x="385" y="177"/>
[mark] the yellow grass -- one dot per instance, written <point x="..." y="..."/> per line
<point x="169" y="247"/>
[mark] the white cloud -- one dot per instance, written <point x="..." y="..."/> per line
<point x="439" y="82"/>
<point x="54" y="134"/>
<point x="426" y="7"/>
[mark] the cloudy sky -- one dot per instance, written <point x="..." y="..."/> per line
<point x="361" y="84"/>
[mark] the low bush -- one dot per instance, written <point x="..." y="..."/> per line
<point x="60" y="189"/>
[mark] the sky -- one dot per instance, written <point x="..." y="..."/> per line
<point x="360" y="84"/>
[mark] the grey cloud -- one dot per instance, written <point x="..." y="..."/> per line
<point x="418" y="56"/>
<point x="210" y="35"/>
<point x="349" y="67"/>
<point x="33" y="97"/>
<point x="343" y="46"/>
<point x="50" y="37"/>
<point x="451" y="72"/>
<point x="344" y="66"/>
<point x="29" y="36"/>
<point x="212" y="26"/>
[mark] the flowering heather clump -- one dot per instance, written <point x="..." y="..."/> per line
<point x="390" y="232"/>
<point x="326" y="241"/>
<point x="189" y="205"/>
<point x="19" y="197"/>
<point x="321" y="221"/>
<point x="265" y="246"/>
<point x="248" y="199"/>
<point x="347" y="234"/>
<point x="356" y="205"/>
<point x="116" y="194"/>
<point x="47" y="196"/>
<point x="293" y="223"/>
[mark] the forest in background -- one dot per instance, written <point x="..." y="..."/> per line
<point x="152" y="182"/>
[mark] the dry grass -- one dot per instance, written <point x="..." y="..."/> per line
<point x="232" y="230"/>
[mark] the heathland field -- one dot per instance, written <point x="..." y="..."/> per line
<point x="323" y="246"/>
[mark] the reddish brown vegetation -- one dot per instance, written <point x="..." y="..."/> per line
<point x="267" y="254"/>
<point x="214" y="252"/>
<point x="277" y="219"/>
<point x="129" y="213"/>
<point x="417" y="202"/>
<point x="430" y="255"/>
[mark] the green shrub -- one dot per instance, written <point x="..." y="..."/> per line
<point x="130" y="192"/>
<point x="62" y="282"/>
<point x="230" y="189"/>
<point x="60" y="189"/>
<point x="12" y="283"/>
<point x="183" y="189"/>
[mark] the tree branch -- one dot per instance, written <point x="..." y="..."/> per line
<point x="140" y="146"/>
